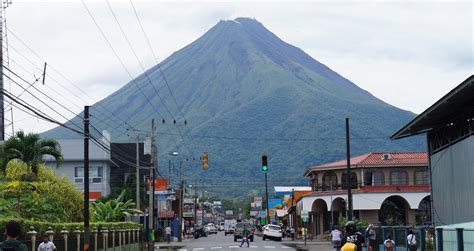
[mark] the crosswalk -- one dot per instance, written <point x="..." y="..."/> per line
<point x="230" y="247"/>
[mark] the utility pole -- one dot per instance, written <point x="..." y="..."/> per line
<point x="86" y="178"/>
<point x="137" y="181"/>
<point x="2" y="107"/>
<point x="348" y="156"/>
<point x="151" y="211"/>
<point x="181" y="197"/>
<point x="266" y="200"/>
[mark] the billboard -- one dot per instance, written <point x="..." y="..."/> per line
<point x="258" y="201"/>
<point x="275" y="203"/>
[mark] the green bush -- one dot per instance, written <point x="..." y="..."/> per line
<point x="41" y="227"/>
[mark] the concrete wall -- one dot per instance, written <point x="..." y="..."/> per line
<point x="453" y="182"/>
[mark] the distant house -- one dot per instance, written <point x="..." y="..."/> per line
<point x="449" y="126"/>
<point x="390" y="188"/>
<point x="73" y="166"/>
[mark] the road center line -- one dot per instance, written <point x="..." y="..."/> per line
<point x="216" y="247"/>
<point x="269" y="246"/>
<point x="233" y="246"/>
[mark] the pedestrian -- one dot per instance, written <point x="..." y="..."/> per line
<point x="292" y="230"/>
<point x="371" y="237"/>
<point x="389" y="244"/>
<point x="352" y="240"/>
<point x="245" y="237"/>
<point x="168" y="233"/>
<point x="411" y="239"/>
<point x="46" y="245"/>
<point x="12" y="230"/>
<point x="336" y="237"/>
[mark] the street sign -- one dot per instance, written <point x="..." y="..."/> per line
<point x="304" y="216"/>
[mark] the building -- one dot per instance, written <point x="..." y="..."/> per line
<point x="390" y="188"/>
<point x="449" y="128"/>
<point x="72" y="166"/>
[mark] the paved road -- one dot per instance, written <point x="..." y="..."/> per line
<point x="219" y="242"/>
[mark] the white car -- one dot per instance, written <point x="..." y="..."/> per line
<point x="211" y="229"/>
<point x="272" y="232"/>
<point x="221" y="226"/>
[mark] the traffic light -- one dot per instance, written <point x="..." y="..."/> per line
<point x="205" y="161"/>
<point x="264" y="162"/>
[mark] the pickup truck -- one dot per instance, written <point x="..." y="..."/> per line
<point x="239" y="229"/>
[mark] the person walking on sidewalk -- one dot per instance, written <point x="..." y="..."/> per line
<point x="353" y="238"/>
<point x="336" y="237"/>
<point x="411" y="239"/>
<point x="371" y="237"/>
<point x="168" y="234"/>
<point x="389" y="244"/>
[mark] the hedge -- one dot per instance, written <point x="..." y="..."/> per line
<point x="42" y="227"/>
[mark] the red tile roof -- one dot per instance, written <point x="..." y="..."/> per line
<point x="377" y="158"/>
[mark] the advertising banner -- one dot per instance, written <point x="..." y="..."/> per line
<point x="258" y="201"/>
<point x="275" y="203"/>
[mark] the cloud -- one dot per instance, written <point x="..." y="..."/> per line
<point x="395" y="50"/>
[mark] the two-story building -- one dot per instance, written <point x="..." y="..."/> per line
<point x="72" y="167"/>
<point x="388" y="188"/>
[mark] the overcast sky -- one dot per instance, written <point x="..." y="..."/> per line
<point x="407" y="53"/>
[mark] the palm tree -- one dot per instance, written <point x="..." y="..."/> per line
<point x="30" y="148"/>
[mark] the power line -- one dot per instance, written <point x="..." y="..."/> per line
<point x="145" y="72"/>
<point x="156" y="61"/>
<point x="64" y="77"/>
<point x="120" y="59"/>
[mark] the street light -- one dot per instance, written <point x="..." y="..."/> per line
<point x="174" y="154"/>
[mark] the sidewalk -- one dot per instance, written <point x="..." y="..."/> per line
<point x="172" y="245"/>
<point x="310" y="245"/>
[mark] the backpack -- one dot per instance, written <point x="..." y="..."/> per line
<point x="13" y="247"/>
<point x="349" y="246"/>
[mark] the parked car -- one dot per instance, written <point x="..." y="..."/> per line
<point x="200" y="231"/>
<point x="211" y="229"/>
<point x="239" y="229"/>
<point x="272" y="232"/>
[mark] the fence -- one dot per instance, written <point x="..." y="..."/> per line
<point x="424" y="237"/>
<point x="458" y="239"/>
<point x="104" y="240"/>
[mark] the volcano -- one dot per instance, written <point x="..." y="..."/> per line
<point x="243" y="91"/>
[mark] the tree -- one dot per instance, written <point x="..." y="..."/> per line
<point x="49" y="198"/>
<point x="112" y="210"/>
<point x="30" y="149"/>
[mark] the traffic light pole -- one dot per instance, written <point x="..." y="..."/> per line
<point x="266" y="200"/>
<point x="181" y="197"/>
<point x="349" y="185"/>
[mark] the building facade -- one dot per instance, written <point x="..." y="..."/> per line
<point x="72" y="166"/>
<point x="449" y="128"/>
<point x="387" y="188"/>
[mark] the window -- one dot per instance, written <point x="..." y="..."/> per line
<point x="95" y="174"/>
<point x="314" y="182"/>
<point x="329" y="181"/>
<point x="374" y="178"/>
<point x="398" y="178"/>
<point x="422" y="177"/>
<point x="353" y="180"/>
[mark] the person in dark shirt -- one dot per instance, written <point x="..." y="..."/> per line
<point x="13" y="229"/>
<point x="352" y="235"/>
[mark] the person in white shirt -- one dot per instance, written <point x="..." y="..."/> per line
<point x="168" y="234"/>
<point x="411" y="239"/>
<point x="336" y="237"/>
<point x="46" y="245"/>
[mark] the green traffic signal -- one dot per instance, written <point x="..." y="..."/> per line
<point x="264" y="163"/>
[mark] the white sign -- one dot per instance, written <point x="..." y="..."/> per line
<point x="258" y="201"/>
<point x="305" y="215"/>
